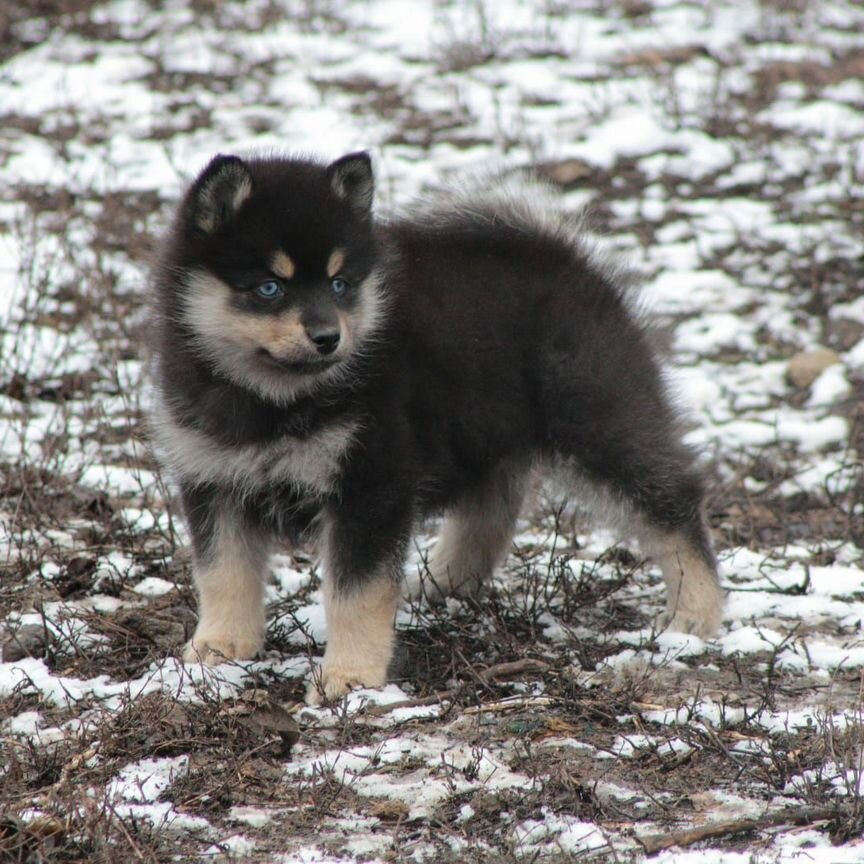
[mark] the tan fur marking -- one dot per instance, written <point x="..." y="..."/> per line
<point x="282" y="265"/>
<point x="284" y="335"/>
<point x="694" y="599"/>
<point x="359" y="638"/>
<point x="360" y="633"/>
<point x="336" y="262"/>
<point x="230" y="585"/>
<point x="346" y="328"/>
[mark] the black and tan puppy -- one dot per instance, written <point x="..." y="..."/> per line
<point x="323" y="372"/>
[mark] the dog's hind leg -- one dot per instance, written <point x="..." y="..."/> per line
<point x="659" y="499"/>
<point x="229" y="568"/>
<point x="656" y="492"/>
<point x="610" y="418"/>
<point x="475" y="537"/>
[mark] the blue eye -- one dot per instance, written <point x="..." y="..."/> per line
<point x="268" y="290"/>
<point x="339" y="285"/>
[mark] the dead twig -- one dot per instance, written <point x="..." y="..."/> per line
<point x="515" y="704"/>
<point x="653" y="843"/>
<point x="492" y="673"/>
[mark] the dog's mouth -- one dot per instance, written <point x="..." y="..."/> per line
<point x="298" y="367"/>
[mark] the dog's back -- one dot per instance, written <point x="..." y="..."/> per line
<point x="513" y="341"/>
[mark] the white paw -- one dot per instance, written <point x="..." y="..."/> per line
<point x="215" y="649"/>
<point x="422" y="588"/>
<point x="330" y="683"/>
<point x="703" y="623"/>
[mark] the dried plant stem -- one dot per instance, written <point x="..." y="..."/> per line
<point x="654" y="843"/>
<point x="492" y="673"/>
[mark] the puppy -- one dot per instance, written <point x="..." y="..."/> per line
<point x="324" y="373"/>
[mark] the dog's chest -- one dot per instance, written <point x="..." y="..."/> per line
<point x="309" y="465"/>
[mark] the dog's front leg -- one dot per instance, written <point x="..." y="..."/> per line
<point x="362" y="570"/>
<point x="229" y="567"/>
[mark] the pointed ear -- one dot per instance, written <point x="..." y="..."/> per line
<point x="351" y="180"/>
<point x="219" y="192"/>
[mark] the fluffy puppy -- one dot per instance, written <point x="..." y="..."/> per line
<point x="324" y="373"/>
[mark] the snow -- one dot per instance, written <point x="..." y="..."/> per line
<point x="145" y="780"/>
<point x="567" y="834"/>
<point x="421" y="792"/>
<point x="235" y="844"/>
<point x="253" y="816"/>
<point x="153" y="586"/>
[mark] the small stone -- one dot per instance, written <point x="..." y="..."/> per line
<point x="487" y="805"/>
<point x="805" y="367"/>
<point x="256" y="712"/>
<point x="162" y="630"/>
<point x="31" y="640"/>
<point x="565" y="173"/>
<point x="389" y="810"/>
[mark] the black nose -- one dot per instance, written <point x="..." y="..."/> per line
<point x="325" y="338"/>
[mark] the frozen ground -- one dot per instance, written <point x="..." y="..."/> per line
<point x="718" y="148"/>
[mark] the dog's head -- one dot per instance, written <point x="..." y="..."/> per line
<point x="274" y="267"/>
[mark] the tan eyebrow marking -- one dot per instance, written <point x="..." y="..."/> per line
<point x="282" y="265"/>
<point x="336" y="262"/>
